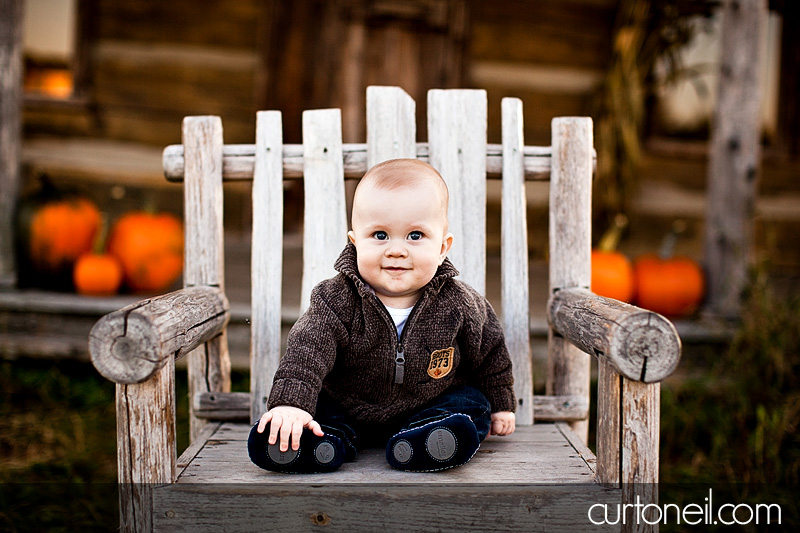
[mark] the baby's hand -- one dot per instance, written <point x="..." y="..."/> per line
<point x="290" y="421"/>
<point x="503" y="423"/>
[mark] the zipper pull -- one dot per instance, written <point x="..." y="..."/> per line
<point x="399" y="365"/>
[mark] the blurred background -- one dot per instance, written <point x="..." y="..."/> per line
<point x="104" y="86"/>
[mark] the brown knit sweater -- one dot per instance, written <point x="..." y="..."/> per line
<point x="346" y="343"/>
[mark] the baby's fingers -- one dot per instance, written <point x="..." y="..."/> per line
<point x="297" y="431"/>
<point x="314" y="426"/>
<point x="287" y="430"/>
<point x="499" y="427"/>
<point x="265" y="418"/>
<point x="274" y="427"/>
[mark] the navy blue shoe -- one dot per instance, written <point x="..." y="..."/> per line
<point x="437" y="445"/>
<point x="316" y="454"/>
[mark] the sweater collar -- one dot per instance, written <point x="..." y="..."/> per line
<point x="347" y="264"/>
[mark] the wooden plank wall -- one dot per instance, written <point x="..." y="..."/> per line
<point x="551" y="54"/>
<point x="154" y="62"/>
<point x="325" y="53"/>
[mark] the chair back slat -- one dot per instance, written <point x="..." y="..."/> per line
<point x="204" y="246"/>
<point x="267" y="258"/>
<point x="391" y="125"/>
<point x="570" y="228"/>
<point x="457" y="140"/>
<point x="514" y="259"/>
<point x="204" y="260"/>
<point x="325" y="224"/>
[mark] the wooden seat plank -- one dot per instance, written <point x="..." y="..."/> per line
<point x="534" y="480"/>
<point x="534" y="454"/>
<point x="549" y="508"/>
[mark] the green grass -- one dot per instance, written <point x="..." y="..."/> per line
<point x="57" y="427"/>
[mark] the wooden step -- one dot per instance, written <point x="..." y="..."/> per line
<point x="541" y="478"/>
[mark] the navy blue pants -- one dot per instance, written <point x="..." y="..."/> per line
<point x="458" y="399"/>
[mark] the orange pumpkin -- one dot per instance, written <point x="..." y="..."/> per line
<point x="97" y="274"/>
<point x="60" y="232"/>
<point x="612" y="272"/>
<point x="672" y="286"/>
<point x="612" y="275"/>
<point x="150" y="249"/>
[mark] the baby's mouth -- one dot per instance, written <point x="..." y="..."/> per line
<point x="395" y="269"/>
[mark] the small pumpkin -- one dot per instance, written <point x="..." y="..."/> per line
<point x="61" y="231"/>
<point x="671" y="285"/>
<point x="149" y="247"/>
<point x="612" y="271"/>
<point x="97" y="274"/>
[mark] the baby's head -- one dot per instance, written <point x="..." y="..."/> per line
<point x="400" y="229"/>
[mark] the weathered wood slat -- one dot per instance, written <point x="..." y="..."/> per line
<point x="609" y="420"/>
<point x="209" y="366"/>
<point x="223" y="406"/>
<point x="639" y="344"/>
<point x="11" y="52"/>
<point x="130" y="345"/>
<point x="236" y="406"/>
<point x="533" y="454"/>
<point x="266" y="259"/>
<point x="577" y="443"/>
<point x="735" y="155"/>
<point x="204" y="253"/>
<point x="570" y="248"/>
<point x="146" y="449"/>
<point x="560" y="408"/>
<point x="514" y="260"/>
<point x="239" y="161"/>
<point x="325" y="222"/>
<point x="457" y="137"/>
<point x="380" y="507"/>
<point x="391" y="125"/>
<point x="641" y="421"/>
<point x="640" y="432"/>
<point x="194" y="448"/>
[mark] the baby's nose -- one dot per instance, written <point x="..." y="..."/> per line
<point x="396" y="249"/>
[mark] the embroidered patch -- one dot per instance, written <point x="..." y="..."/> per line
<point x="441" y="363"/>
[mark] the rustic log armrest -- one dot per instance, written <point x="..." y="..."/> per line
<point x="635" y="349"/>
<point x="130" y="345"/>
<point x="639" y="344"/>
<point x="136" y="347"/>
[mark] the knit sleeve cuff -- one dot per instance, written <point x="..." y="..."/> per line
<point x="295" y="393"/>
<point x="501" y="399"/>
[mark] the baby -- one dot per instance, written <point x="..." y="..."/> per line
<point x="393" y="351"/>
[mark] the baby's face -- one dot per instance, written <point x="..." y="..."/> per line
<point x="401" y="239"/>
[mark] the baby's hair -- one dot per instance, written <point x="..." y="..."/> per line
<point x="398" y="173"/>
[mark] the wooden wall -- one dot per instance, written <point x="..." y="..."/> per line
<point x="551" y="53"/>
<point x="154" y="62"/>
<point x="150" y="62"/>
<point x="324" y="53"/>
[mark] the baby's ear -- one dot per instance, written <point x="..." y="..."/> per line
<point x="447" y="242"/>
<point x="351" y="236"/>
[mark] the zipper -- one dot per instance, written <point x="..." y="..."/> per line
<point x="399" y="356"/>
<point x="399" y="364"/>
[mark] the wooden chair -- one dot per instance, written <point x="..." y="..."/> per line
<point x="542" y="478"/>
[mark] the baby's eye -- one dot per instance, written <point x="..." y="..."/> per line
<point x="380" y="235"/>
<point x="415" y="235"/>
